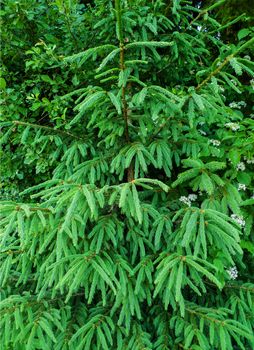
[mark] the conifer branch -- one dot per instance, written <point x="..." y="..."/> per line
<point x="215" y="72"/>
<point x="201" y="315"/>
<point x="234" y="286"/>
<point x="227" y="24"/>
<point x="48" y="210"/>
<point x="47" y="128"/>
<point x="205" y="11"/>
<point x="37" y="302"/>
<point x="224" y="63"/>
<point x="12" y="252"/>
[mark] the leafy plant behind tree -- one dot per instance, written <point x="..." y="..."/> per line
<point x="137" y="233"/>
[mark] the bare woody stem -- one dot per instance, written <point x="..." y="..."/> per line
<point x="118" y="9"/>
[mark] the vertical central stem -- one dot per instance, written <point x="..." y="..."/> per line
<point x="124" y="103"/>
<point x="130" y="174"/>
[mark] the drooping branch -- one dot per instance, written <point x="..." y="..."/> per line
<point x="224" y="63"/>
<point x="47" y="128"/>
<point x="205" y="11"/>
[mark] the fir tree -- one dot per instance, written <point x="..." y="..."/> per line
<point x="136" y="239"/>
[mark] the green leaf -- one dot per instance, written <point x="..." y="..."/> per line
<point x="136" y="203"/>
<point x="2" y="83"/>
<point x="116" y="102"/>
<point x="149" y="44"/>
<point x="244" y="178"/>
<point x="191" y="227"/>
<point x="248" y="245"/>
<point x="243" y="33"/>
<point x="45" y="326"/>
<point x="204" y="271"/>
<point x="108" y="58"/>
<point x="185" y="176"/>
<point x="90" y="199"/>
<point x="179" y="279"/>
<point x="104" y="275"/>
<point x="206" y="183"/>
<point x="223" y="343"/>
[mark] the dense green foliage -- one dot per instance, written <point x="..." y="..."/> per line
<point x="126" y="213"/>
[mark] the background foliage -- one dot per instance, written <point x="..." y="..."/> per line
<point x="127" y="155"/>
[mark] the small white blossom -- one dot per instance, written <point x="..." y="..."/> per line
<point x="233" y="273"/>
<point x="249" y="161"/>
<point x="215" y="143"/>
<point x="238" y="219"/>
<point x="233" y="126"/>
<point x="185" y="200"/>
<point x="237" y="105"/>
<point x="233" y="105"/>
<point x="192" y="197"/>
<point x="240" y="166"/>
<point x="241" y="187"/>
<point x="242" y="103"/>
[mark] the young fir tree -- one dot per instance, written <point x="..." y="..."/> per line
<point x="136" y="239"/>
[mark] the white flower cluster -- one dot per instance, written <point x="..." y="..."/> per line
<point x="240" y="166"/>
<point x="237" y="105"/>
<point x="249" y="161"/>
<point x="233" y="126"/>
<point x="233" y="105"/>
<point x="233" y="273"/>
<point x="192" y="197"/>
<point x="242" y="103"/>
<point x="242" y="187"/>
<point x="215" y="143"/>
<point x="187" y="200"/>
<point x="238" y="219"/>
